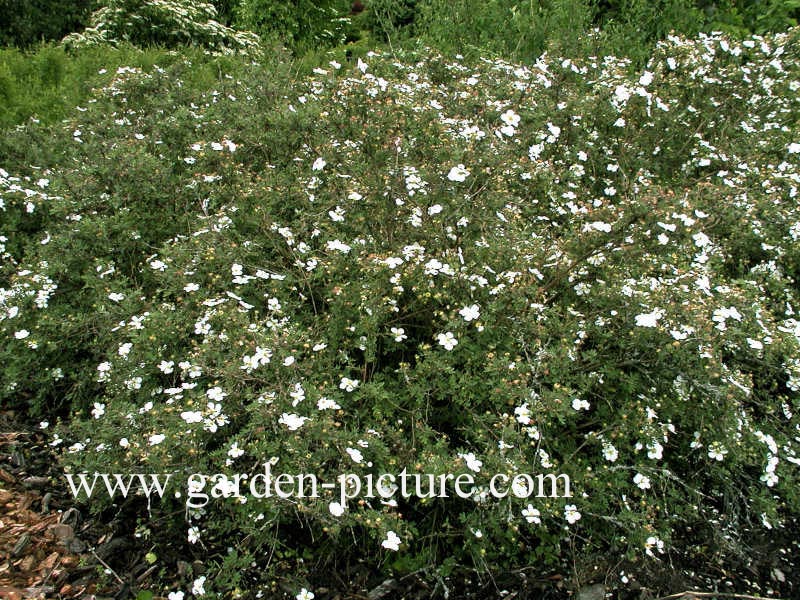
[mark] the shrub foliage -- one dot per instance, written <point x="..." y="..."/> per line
<point x="424" y="263"/>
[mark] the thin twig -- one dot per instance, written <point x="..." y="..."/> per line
<point x="105" y="564"/>
<point x="144" y="575"/>
<point x="46" y="579"/>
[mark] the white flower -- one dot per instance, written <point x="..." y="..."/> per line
<point x="305" y="595"/>
<point x="578" y="404"/>
<point x="510" y="118"/>
<point x="392" y="541"/>
<point x="610" y="453"/>
<point x="103" y="369"/>
<point x="175" y="596"/>
<point x="292" y="421"/>
<point x="98" y="410"/>
<point x="720" y="315"/>
<point x="717" y="451"/>
<point x="544" y="457"/>
<point x="347" y="384"/>
<point x="755" y="344"/>
<point x="458" y="173"/>
<point x="337" y="215"/>
<point x="338" y="245"/>
<point x="298" y="394"/>
<point x="393" y="262"/>
<point x="622" y="94"/>
<point x="655" y="450"/>
<point x="519" y="488"/>
<point x="319" y="164"/>
<point x="192" y="416"/>
<point x="701" y="239"/>
<point x="769" y="478"/>
<point x="532" y="515"/>
<point x="399" y="334"/>
<point x="216" y="394"/>
<point x="470" y="313"/>
<point x="250" y="363"/>
<point x="355" y="454"/>
<point x="433" y="267"/>
<point x="22" y="334"/>
<point x="325" y="403"/>
<point x="156" y="439"/>
<point x="794" y="148"/>
<point x="653" y="542"/>
<point x="191" y="287"/>
<point x="447" y="340"/>
<point x="523" y="414"/>
<point x="679" y="334"/>
<point x="646" y="79"/>
<point x="193" y="535"/>
<point x="235" y="451"/>
<point x="571" y="513"/>
<point x="197" y="586"/>
<point x="472" y="462"/>
<point x="535" y="151"/>
<point x="336" y="509"/>
<point x="767" y="439"/>
<point x="435" y="209"/>
<point x="124" y="442"/>
<point x="598" y="226"/>
<point x="642" y="481"/>
<point x="76" y="447"/>
<point x="115" y="297"/>
<point x="649" y="319"/>
<point x="166" y="366"/>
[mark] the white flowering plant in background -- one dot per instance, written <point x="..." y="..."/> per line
<point x="601" y="285"/>
<point x="167" y="22"/>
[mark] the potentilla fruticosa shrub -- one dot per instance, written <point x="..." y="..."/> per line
<point x="434" y="266"/>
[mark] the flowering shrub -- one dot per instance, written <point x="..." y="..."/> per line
<point x="163" y="22"/>
<point x="423" y="264"/>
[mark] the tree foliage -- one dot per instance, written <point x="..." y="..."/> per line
<point x="26" y="22"/>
